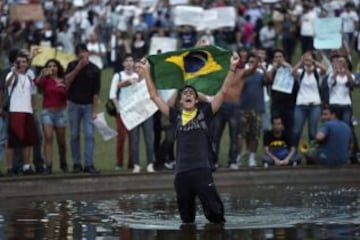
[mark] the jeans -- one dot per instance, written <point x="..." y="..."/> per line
<point x="311" y="113"/>
<point x="295" y="158"/>
<point x="3" y="136"/>
<point x="148" y="131"/>
<point x="266" y="117"/>
<point x="223" y="116"/>
<point x="81" y="113"/>
<point x="56" y="118"/>
<point x="343" y="113"/>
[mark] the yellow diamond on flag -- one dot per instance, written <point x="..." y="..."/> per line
<point x="195" y="63"/>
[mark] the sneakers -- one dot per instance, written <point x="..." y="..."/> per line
<point x="150" y="168"/>
<point x="252" y="162"/>
<point x="77" y="168"/>
<point x="91" y="169"/>
<point x="28" y="171"/>
<point x="170" y="165"/>
<point x="294" y="164"/>
<point x="238" y="159"/>
<point x="266" y="165"/>
<point x="136" y="168"/>
<point x="118" y="168"/>
<point x="233" y="166"/>
<point x="48" y="170"/>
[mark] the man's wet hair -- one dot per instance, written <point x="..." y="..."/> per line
<point x="189" y="86"/>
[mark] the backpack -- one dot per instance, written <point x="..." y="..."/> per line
<point x="322" y="86"/>
<point x="109" y="105"/>
<point x="6" y="94"/>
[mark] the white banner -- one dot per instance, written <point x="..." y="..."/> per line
<point x="100" y="123"/>
<point x="137" y="107"/>
<point x="327" y="33"/>
<point x="179" y="2"/>
<point x="283" y="81"/>
<point x="269" y="1"/>
<point x="187" y="15"/>
<point x="163" y="44"/>
<point x="226" y="17"/>
<point x="201" y="19"/>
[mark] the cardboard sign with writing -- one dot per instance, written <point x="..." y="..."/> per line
<point x="26" y="12"/>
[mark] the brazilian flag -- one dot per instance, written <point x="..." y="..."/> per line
<point x="204" y="68"/>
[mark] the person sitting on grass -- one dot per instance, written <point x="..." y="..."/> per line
<point x="278" y="147"/>
<point x="193" y="157"/>
<point x="334" y="141"/>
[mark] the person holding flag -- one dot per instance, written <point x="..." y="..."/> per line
<point x="194" y="149"/>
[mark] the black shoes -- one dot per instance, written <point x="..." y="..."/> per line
<point x="91" y="169"/>
<point x="28" y="171"/>
<point x="48" y="170"/>
<point x="77" y="168"/>
<point x="64" y="168"/>
<point x="88" y="169"/>
<point x="10" y="172"/>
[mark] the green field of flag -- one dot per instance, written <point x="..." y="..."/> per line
<point x="204" y="68"/>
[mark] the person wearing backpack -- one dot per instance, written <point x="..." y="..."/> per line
<point x="193" y="177"/>
<point x="308" y="72"/>
<point x="22" y="131"/>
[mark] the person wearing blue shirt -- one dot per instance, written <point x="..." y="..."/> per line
<point x="334" y="141"/>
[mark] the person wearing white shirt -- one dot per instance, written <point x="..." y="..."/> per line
<point x="307" y="28"/>
<point x="308" y="101"/>
<point x="268" y="37"/>
<point x="349" y="20"/>
<point x="340" y="83"/>
<point x="120" y="89"/>
<point x="97" y="50"/>
<point x="22" y="127"/>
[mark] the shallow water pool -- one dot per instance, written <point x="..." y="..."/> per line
<point x="263" y="212"/>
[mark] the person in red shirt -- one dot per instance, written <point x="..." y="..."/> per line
<point x="53" y="116"/>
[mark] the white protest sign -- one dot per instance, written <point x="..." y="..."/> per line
<point x="128" y="10"/>
<point x="100" y="123"/>
<point x="269" y="1"/>
<point x="179" y="2"/>
<point x="283" y="81"/>
<point x="327" y="33"/>
<point x="147" y="3"/>
<point x="226" y="17"/>
<point x="201" y="19"/>
<point x="187" y="15"/>
<point x="163" y="44"/>
<point x="78" y="3"/>
<point x="208" y="21"/>
<point x="137" y="107"/>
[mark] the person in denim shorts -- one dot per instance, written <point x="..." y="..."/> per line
<point x="53" y="116"/>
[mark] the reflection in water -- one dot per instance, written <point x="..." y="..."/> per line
<point x="262" y="213"/>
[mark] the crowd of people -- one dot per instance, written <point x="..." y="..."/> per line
<point x="113" y="34"/>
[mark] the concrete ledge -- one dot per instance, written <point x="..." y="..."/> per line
<point x="33" y="186"/>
